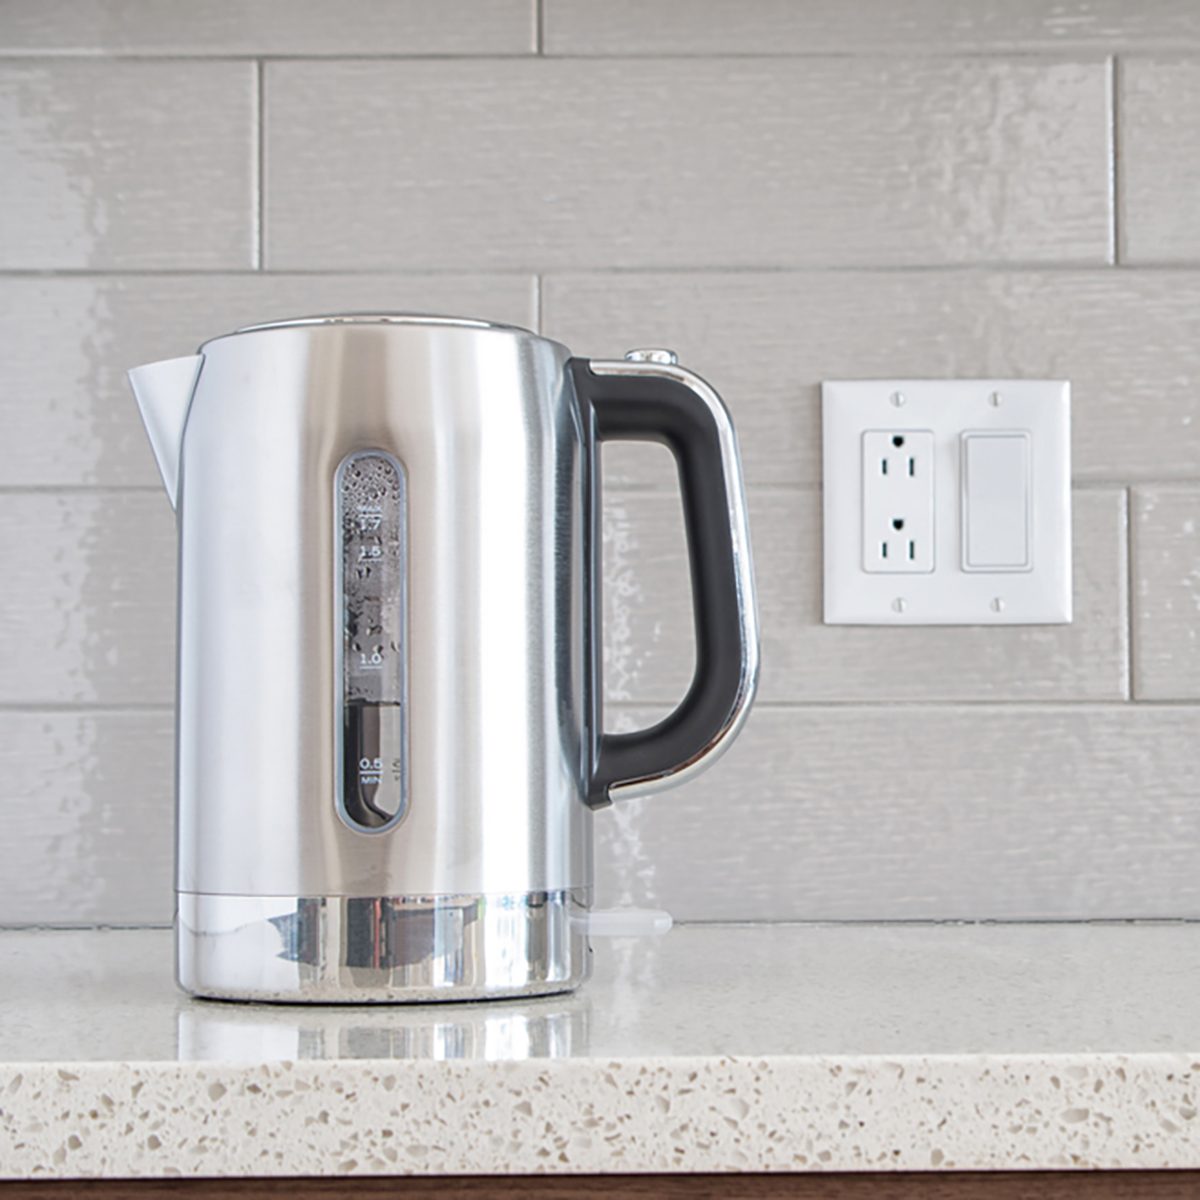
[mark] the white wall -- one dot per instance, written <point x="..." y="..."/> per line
<point x="782" y="191"/>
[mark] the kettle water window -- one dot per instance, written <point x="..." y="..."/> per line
<point x="372" y="531"/>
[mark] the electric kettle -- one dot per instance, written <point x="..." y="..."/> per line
<point x="389" y="732"/>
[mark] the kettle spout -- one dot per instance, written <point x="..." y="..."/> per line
<point x="164" y="391"/>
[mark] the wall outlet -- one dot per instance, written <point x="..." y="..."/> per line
<point x="947" y="502"/>
<point x="898" y="509"/>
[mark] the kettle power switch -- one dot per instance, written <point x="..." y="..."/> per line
<point x="995" y="501"/>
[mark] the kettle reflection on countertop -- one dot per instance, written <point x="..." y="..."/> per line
<point x="232" y="1032"/>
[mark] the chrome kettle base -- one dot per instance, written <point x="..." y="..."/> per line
<point x="381" y="949"/>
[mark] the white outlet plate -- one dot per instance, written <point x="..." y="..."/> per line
<point x="1036" y="416"/>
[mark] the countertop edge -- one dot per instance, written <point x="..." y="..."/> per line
<point x="673" y="1113"/>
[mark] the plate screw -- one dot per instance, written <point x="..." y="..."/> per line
<point x="995" y="399"/>
<point x="997" y="605"/>
<point x="898" y="399"/>
<point x="899" y="604"/>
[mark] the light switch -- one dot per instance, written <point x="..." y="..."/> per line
<point x="995" y="501"/>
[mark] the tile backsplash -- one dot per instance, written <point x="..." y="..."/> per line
<point x="127" y="165"/>
<point x="783" y="193"/>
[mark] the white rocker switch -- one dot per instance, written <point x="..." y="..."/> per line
<point x="996" y="506"/>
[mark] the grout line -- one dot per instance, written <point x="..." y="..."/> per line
<point x="1078" y="52"/>
<point x="1114" y="242"/>
<point x="915" y="922"/>
<point x="83" y="710"/>
<point x="807" y="487"/>
<point x="80" y="489"/>
<point x="84" y="927"/>
<point x="259" y="163"/>
<point x="617" y="488"/>
<point x="909" y="703"/>
<point x="52" y="58"/>
<point x="922" y="922"/>
<point x="1131" y="595"/>
<point x="1115" y="73"/>
<point x="886" y="704"/>
<point x="628" y="490"/>
<point x="715" y="923"/>
<point x="1066" y="269"/>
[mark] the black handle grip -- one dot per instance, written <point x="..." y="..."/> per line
<point x="645" y="405"/>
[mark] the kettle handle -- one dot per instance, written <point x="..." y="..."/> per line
<point x="661" y="402"/>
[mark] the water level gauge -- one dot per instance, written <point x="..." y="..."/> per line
<point x="372" y="524"/>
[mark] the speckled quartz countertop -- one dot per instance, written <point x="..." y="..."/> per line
<point x="731" y="1048"/>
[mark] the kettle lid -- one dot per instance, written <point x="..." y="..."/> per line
<point x="368" y="318"/>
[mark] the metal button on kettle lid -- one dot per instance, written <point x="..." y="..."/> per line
<point x="652" y="355"/>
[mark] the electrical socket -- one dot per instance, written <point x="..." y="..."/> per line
<point x="898" y="501"/>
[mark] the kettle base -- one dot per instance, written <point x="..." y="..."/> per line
<point x="381" y="949"/>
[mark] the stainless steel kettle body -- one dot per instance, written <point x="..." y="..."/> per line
<point x="389" y="728"/>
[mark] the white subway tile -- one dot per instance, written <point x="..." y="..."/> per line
<point x="88" y="812"/>
<point x="232" y="27"/>
<point x="898" y="27"/>
<point x="648" y="624"/>
<point x="65" y="406"/>
<point x="1126" y="339"/>
<point x="127" y="165"/>
<point x="909" y="812"/>
<point x="539" y="164"/>
<point x="87" y="611"/>
<point x="1166" y="601"/>
<point x="1158" y="106"/>
<point x="845" y="813"/>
